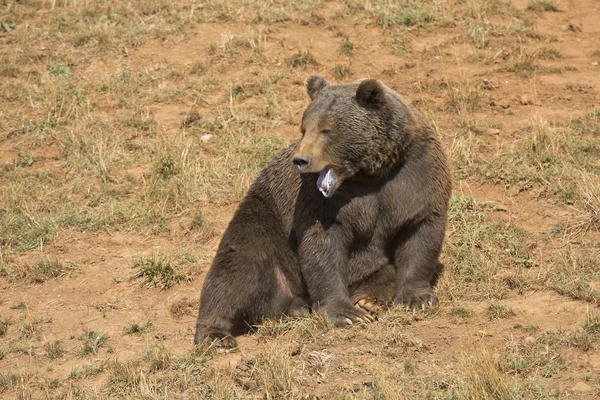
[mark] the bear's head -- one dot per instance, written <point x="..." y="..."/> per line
<point x="346" y="130"/>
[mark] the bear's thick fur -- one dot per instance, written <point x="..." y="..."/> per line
<point x="365" y="218"/>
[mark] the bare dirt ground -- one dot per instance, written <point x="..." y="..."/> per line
<point x="129" y="131"/>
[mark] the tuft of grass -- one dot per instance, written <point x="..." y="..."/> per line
<point x="482" y="377"/>
<point x="309" y="327"/>
<point x="160" y="271"/>
<point x="274" y="370"/>
<point x="44" y="270"/>
<point x="92" y="341"/>
<point x="301" y="59"/>
<point x="135" y="328"/>
<point x="4" y="324"/>
<point x="406" y="13"/>
<point x="346" y="47"/>
<point x="464" y="98"/>
<point x="56" y="68"/>
<point x="54" y="349"/>
<point x="399" y="43"/>
<point x="341" y="72"/>
<point x="2" y="353"/>
<point x="522" y="62"/>
<point x="572" y="273"/>
<point x="87" y="371"/>
<point x="459" y="310"/>
<point x="549" y="53"/>
<point x="30" y="326"/>
<point x="498" y="311"/>
<point x="542" y="5"/>
<point x="39" y="272"/>
<point x="158" y="358"/>
<point x="123" y="378"/>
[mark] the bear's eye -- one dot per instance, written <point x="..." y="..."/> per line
<point x="326" y="131"/>
<point x="302" y="131"/>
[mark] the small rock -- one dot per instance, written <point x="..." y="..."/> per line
<point x="526" y="100"/>
<point x="595" y="63"/>
<point x="205" y="138"/>
<point x="495" y="131"/>
<point x="529" y="340"/>
<point x="582" y="387"/>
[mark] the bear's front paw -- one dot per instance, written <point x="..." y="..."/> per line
<point x="416" y="298"/>
<point x="343" y="315"/>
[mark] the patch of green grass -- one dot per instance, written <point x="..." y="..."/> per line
<point x="91" y="342"/>
<point x="39" y="272"/>
<point x="405" y="13"/>
<point x="54" y="349"/>
<point x="558" y="157"/>
<point x="163" y="272"/>
<point x="135" y="328"/>
<point x="500" y="311"/>
<point x="573" y="273"/>
<point x="19" y="306"/>
<point x="459" y="310"/>
<point x="542" y="5"/>
<point x="25" y="159"/>
<point x="475" y="254"/>
<point x="10" y="380"/>
<point x="54" y="67"/>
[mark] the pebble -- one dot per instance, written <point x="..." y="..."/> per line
<point x="206" y="138"/>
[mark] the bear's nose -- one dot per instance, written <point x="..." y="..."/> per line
<point x="301" y="162"/>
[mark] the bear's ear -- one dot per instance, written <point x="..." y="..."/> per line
<point x="370" y="92"/>
<point x="314" y="85"/>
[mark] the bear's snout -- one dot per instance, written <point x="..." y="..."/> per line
<point x="301" y="162"/>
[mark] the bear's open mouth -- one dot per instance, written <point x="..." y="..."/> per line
<point x="326" y="181"/>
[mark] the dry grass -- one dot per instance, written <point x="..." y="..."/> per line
<point x="88" y="155"/>
<point x="482" y="376"/>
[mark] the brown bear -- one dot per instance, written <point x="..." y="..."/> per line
<point x="354" y="211"/>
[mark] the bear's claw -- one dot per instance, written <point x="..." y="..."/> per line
<point x="369" y="305"/>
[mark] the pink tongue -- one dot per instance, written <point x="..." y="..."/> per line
<point x="326" y="181"/>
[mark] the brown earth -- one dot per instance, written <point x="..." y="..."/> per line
<point x="534" y="345"/>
